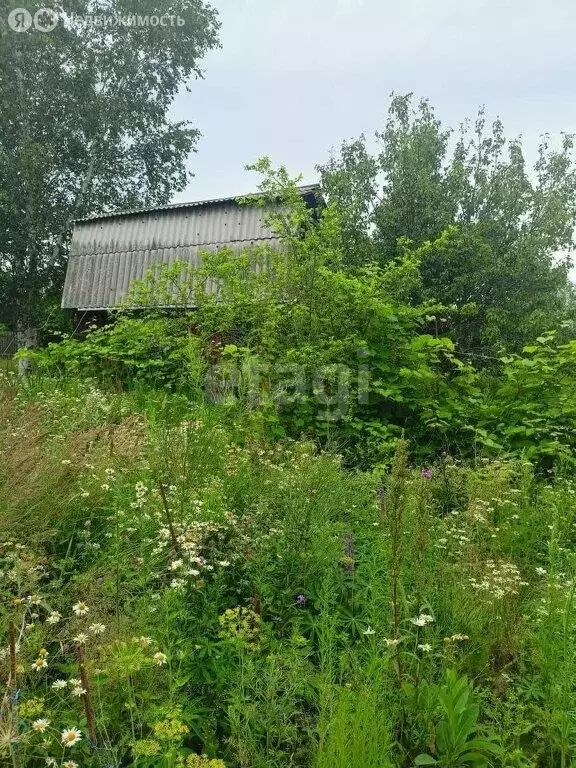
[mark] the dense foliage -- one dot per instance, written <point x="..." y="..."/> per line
<point x="509" y="227"/>
<point x="343" y="355"/>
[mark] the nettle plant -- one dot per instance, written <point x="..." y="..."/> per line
<point x="534" y="402"/>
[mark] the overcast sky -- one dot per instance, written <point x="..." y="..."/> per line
<point x="295" y="77"/>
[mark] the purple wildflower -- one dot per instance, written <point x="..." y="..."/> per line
<point x="427" y="474"/>
<point x="301" y="600"/>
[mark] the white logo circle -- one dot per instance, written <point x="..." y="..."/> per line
<point x="45" y="20"/>
<point x="20" y="20"/>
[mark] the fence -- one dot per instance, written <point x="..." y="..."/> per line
<point x="8" y="344"/>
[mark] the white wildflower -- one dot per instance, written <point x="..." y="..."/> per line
<point x="40" y="725"/>
<point x="80" y="609"/>
<point x="70" y="736"/>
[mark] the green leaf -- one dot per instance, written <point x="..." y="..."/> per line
<point x="425" y="760"/>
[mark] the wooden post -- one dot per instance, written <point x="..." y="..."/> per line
<point x="27" y="339"/>
<point x="86" y="697"/>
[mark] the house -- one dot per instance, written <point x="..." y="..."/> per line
<point x="111" y="250"/>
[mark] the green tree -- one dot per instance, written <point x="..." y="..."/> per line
<point x="84" y="127"/>
<point x="494" y="238"/>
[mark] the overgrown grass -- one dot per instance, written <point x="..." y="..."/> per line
<point x="174" y="586"/>
<point x="7" y="365"/>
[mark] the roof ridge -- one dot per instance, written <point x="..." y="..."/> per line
<point x="304" y="189"/>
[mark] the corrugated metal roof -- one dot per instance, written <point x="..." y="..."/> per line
<point x="108" y="252"/>
<point x="210" y="224"/>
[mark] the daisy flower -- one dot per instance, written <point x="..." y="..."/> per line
<point x="40" y="725"/>
<point x="69" y="764"/>
<point x="39" y="664"/>
<point x="425" y="647"/>
<point x="369" y="631"/>
<point x="81" y="638"/>
<point x="80" y="609"/>
<point x="160" y="658"/>
<point x="97" y="629"/>
<point x="70" y="736"/>
<point x="54" y="617"/>
<point x="58" y="685"/>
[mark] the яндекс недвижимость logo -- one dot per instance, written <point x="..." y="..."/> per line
<point x="44" y="20"/>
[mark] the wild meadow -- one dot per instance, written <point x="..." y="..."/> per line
<point x="176" y="590"/>
<point x="325" y="519"/>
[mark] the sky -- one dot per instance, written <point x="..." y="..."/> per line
<point x="294" y="78"/>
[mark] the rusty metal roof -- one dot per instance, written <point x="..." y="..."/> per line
<point x="111" y="250"/>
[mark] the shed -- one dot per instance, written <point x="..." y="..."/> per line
<point x="110" y="250"/>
